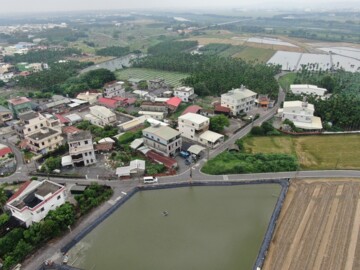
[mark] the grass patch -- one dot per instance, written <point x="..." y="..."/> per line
<point x="255" y="54"/>
<point x="286" y="80"/>
<point x="313" y="152"/>
<point x="172" y="78"/>
<point x="235" y="163"/>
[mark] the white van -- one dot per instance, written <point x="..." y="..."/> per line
<point x="150" y="180"/>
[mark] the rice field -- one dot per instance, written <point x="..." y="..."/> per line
<point x="172" y="78"/>
<point x="313" y="152"/>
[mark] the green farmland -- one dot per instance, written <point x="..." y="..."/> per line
<point x="172" y="78"/>
<point x="313" y="152"/>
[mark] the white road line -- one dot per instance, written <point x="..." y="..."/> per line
<point x="118" y="198"/>
<point x="123" y="192"/>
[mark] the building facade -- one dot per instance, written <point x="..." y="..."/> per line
<point x="114" y="89"/>
<point x="163" y="139"/>
<point x="239" y="100"/>
<point x="192" y="125"/>
<point x="185" y="93"/>
<point x="307" y="89"/>
<point x="45" y="140"/>
<point x="19" y="105"/>
<point x="35" y="199"/>
<point x="101" y="116"/>
<point x="81" y="148"/>
<point x="5" y="115"/>
<point x="301" y="114"/>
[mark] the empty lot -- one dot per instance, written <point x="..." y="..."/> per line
<point x="318" y="227"/>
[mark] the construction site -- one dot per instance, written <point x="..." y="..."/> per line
<point x="318" y="227"/>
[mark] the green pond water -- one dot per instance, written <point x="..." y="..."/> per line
<point x="207" y="228"/>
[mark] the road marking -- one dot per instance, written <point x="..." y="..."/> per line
<point x="123" y="192"/>
<point x="226" y="178"/>
<point x="118" y="198"/>
<point x="111" y="202"/>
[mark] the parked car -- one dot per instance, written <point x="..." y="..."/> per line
<point x="150" y="180"/>
<point x="184" y="154"/>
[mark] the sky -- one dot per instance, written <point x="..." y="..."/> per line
<point x="7" y="6"/>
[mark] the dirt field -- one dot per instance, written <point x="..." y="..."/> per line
<point x="318" y="227"/>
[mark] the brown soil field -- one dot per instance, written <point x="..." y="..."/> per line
<point x="318" y="227"/>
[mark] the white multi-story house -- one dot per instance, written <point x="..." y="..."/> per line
<point x="114" y="89"/>
<point x="301" y="114"/>
<point x="307" y="89"/>
<point x="196" y="127"/>
<point x="192" y="125"/>
<point x="163" y="139"/>
<point x="44" y="140"/>
<point x="32" y="202"/>
<point x="31" y="122"/>
<point x="81" y="149"/>
<point x="101" y="116"/>
<point x="239" y="100"/>
<point x="185" y="93"/>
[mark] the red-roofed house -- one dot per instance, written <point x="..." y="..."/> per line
<point x="35" y="199"/>
<point x="5" y="151"/>
<point x="168" y="162"/>
<point x="70" y="130"/>
<point x="109" y="102"/>
<point x="222" y="110"/>
<point x="192" y="109"/>
<point x="63" y="120"/>
<point x="173" y="103"/>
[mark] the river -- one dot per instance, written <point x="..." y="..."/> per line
<point x="207" y="228"/>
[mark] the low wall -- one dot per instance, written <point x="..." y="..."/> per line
<point x="268" y="235"/>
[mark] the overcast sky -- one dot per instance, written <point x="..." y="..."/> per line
<point x="7" y="6"/>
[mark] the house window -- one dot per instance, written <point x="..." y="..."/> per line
<point x="58" y="197"/>
<point x="42" y="209"/>
<point x="41" y="125"/>
<point x="36" y="127"/>
<point x="29" y="129"/>
<point x="43" y="143"/>
<point x="86" y="154"/>
<point x="92" y="160"/>
<point x="86" y="142"/>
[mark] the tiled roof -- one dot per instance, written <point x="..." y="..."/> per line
<point x="5" y="151"/>
<point x="168" y="162"/>
<point x="223" y="109"/>
<point x="19" y="100"/>
<point x="70" y="129"/>
<point x="108" y="102"/>
<point x="174" y="101"/>
<point x="62" y="119"/>
<point x="20" y="190"/>
<point x="192" y="109"/>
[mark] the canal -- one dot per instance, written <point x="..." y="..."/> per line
<point x="207" y="228"/>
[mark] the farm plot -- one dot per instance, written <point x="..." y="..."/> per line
<point x="318" y="227"/>
<point x="313" y="152"/>
<point x="172" y="78"/>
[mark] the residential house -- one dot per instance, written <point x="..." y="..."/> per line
<point x="133" y="123"/>
<point x="88" y="96"/>
<point x="191" y="125"/>
<point x="162" y="139"/>
<point x="101" y="116"/>
<point x="239" y="100"/>
<point x="156" y="84"/>
<point x="44" y="140"/>
<point x="19" y="105"/>
<point x="31" y="122"/>
<point x="109" y="102"/>
<point x="173" y="103"/>
<point x="154" y="107"/>
<point x="5" y="115"/>
<point x="114" y="89"/>
<point x="196" y="128"/>
<point x="81" y="150"/>
<point x="155" y="115"/>
<point x="135" y="168"/>
<point x="185" y="93"/>
<point x="218" y="109"/>
<point x="307" y="89"/>
<point x="34" y="199"/>
<point x="301" y="114"/>
<point x="192" y="109"/>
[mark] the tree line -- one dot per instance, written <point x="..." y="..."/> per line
<point x="214" y="75"/>
<point x="41" y="56"/>
<point x="116" y="51"/>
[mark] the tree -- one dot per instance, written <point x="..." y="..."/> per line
<point x="3" y="198"/>
<point x="143" y="85"/>
<point x="219" y="122"/>
<point x="2" y="83"/>
<point x="51" y="164"/>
